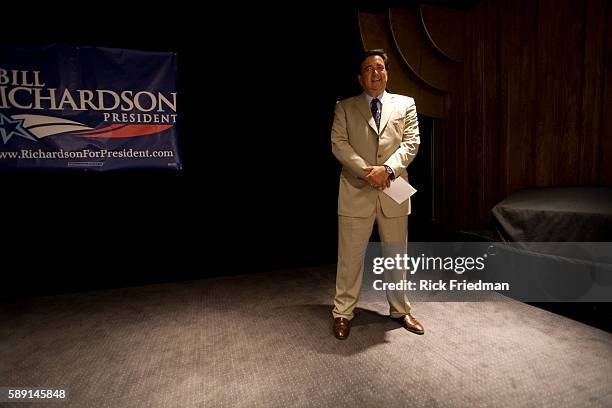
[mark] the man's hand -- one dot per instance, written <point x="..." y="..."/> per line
<point x="377" y="177"/>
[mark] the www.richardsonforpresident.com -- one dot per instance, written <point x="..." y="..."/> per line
<point x="459" y="265"/>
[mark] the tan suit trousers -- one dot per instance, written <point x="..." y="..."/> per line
<point x="353" y="237"/>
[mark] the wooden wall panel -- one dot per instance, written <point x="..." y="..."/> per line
<point x="519" y="31"/>
<point x="428" y="63"/>
<point x="446" y="27"/>
<point x="605" y="154"/>
<point x="469" y="172"/>
<point x="534" y="107"/>
<point x="559" y="79"/>
<point x="593" y="68"/>
<point x="492" y="189"/>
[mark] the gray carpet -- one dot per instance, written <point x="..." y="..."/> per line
<point x="264" y="340"/>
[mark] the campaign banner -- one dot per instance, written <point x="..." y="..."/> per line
<point x="87" y="108"/>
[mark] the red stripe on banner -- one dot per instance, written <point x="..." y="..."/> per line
<point x="132" y="131"/>
<point x="101" y="130"/>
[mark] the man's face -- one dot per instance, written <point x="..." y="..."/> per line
<point x="373" y="77"/>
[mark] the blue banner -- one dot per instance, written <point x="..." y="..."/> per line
<point x="87" y="108"/>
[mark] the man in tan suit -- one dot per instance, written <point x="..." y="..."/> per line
<point x="375" y="136"/>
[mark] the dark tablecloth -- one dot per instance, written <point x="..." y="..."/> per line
<point x="556" y="214"/>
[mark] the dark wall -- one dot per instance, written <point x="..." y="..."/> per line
<point x="259" y="185"/>
<point x="531" y="107"/>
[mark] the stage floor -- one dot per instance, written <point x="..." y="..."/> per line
<point x="265" y="340"/>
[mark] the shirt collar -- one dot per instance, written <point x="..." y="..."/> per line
<point x="380" y="97"/>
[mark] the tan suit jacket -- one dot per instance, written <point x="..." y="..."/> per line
<point x="357" y="143"/>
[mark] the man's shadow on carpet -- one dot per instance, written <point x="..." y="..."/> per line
<point x="368" y="329"/>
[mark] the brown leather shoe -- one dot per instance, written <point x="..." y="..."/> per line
<point x="342" y="328"/>
<point x="410" y="323"/>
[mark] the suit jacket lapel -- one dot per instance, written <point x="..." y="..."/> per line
<point x="387" y="110"/>
<point x="364" y="109"/>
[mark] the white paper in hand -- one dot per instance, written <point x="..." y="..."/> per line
<point x="400" y="190"/>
